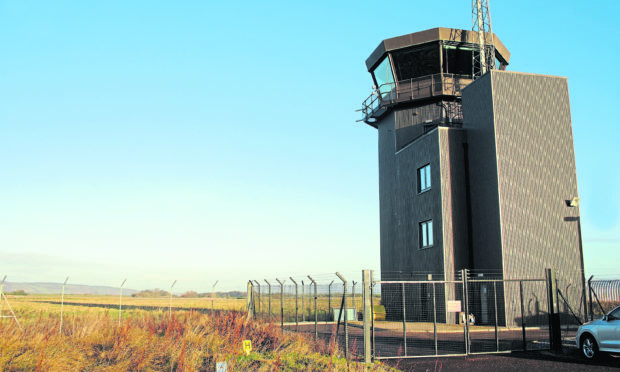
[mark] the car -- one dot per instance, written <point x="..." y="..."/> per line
<point x="602" y="335"/>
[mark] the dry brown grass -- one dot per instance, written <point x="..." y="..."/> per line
<point x="151" y="341"/>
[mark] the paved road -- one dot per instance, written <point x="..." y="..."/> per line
<point x="516" y="361"/>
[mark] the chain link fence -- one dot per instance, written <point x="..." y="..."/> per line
<point x="328" y="307"/>
<point x="408" y="315"/>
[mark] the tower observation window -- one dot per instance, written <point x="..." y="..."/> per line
<point x="458" y="59"/>
<point x="416" y="62"/>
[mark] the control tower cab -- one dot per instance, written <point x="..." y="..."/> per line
<point x="425" y="73"/>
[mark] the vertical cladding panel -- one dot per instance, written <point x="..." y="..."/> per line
<point x="485" y="212"/>
<point x="453" y="199"/>
<point x="387" y="194"/>
<point x="402" y="208"/>
<point x="522" y="171"/>
<point x="537" y="173"/>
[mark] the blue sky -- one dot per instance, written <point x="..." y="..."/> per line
<point x="203" y="141"/>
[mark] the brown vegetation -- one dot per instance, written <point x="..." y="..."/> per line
<point x="187" y="341"/>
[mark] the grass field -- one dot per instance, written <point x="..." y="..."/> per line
<point x="148" y="339"/>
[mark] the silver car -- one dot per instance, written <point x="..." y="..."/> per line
<point x="600" y="335"/>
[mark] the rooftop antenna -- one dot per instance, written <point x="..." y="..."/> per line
<point x="481" y="24"/>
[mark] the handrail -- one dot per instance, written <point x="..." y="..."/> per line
<point x="421" y="87"/>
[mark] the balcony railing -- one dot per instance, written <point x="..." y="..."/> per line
<point x="389" y="94"/>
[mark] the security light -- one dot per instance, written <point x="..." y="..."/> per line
<point x="574" y="202"/>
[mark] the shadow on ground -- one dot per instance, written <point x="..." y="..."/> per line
<point x="570" y="360"/>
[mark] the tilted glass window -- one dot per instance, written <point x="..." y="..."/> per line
<point x="384" y="77"/>
<point x="426" y="234"/>
<point x="424" y="178"/>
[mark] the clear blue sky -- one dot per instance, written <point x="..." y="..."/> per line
<point x="196" y="140"/>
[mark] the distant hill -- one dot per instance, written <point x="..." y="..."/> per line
<point x="52" y="288"/>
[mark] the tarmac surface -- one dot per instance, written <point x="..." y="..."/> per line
<point x="570" y="360"/>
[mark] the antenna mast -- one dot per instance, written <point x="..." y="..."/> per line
<point x="481" y="24"/>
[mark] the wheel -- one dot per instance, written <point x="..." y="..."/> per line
<point x="589" y="348"/>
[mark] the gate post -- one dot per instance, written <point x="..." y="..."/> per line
<point x="590" y="297"/>
<point x="367" y="314"/>
<point x="555" y="333"/>
<point x="464" y="274"/>
<point x="402" y="288"/>
<point x="522" y="315"/>
<point x="435" y="319"/>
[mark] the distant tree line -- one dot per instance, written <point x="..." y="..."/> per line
<point x="189" y="294"/>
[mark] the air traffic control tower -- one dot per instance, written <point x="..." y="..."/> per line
<point x="473" y="174"/>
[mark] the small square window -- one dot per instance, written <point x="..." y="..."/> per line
<point x="426" y="234"/>
<point x="424" y="178"/>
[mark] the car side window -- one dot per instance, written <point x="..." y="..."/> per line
<point x="614" y="315"/>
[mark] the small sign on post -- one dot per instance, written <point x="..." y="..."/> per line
<point x="247" y="346"/>
<point x="220" y="366"/>
<point x="454" y="306"/>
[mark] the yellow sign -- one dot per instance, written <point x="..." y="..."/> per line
<point x="247" y="346"/>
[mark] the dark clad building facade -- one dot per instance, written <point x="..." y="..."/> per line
<point x="472" y="175"/>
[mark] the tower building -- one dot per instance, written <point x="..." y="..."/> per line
<point x="472" y="174"/>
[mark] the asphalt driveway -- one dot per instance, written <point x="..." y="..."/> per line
<point x="539" y="361"/>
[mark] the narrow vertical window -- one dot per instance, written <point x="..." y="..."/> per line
<point x="424" y="178"/>
<point x="426" y="234"/>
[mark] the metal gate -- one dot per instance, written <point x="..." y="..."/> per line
<point x="468" y="315"/>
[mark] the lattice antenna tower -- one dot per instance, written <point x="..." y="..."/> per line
<point x="481" y="24"/>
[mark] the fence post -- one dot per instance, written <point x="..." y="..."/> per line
<point x="590" y="297"/>
<point x="346" y="330"/>
<point x="303" y="309"/>
<point x="464" y="274"/>
<point x="296" y="303"/>
<point x="555" y="333"/>
<point x="366" y="314"/>
<point x="259" y="305"/>
<point x="372" y="310"/>
<point x="329" y="300"/>
<point x="316" y="330"/>
<point x="250" y="297"/>
<point x="281" y="303"/>
<point x="269" y="286"/>
<point x="522" y="315"/>
<point x="402" y="288"/>
<point x="495" y="311"/>
<point x="120" y="301"/>
<point x="353" y="282"/>
<point x="435" y="318"/>
<point x="213" y="294"/>
<point x="62" y="303"/>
